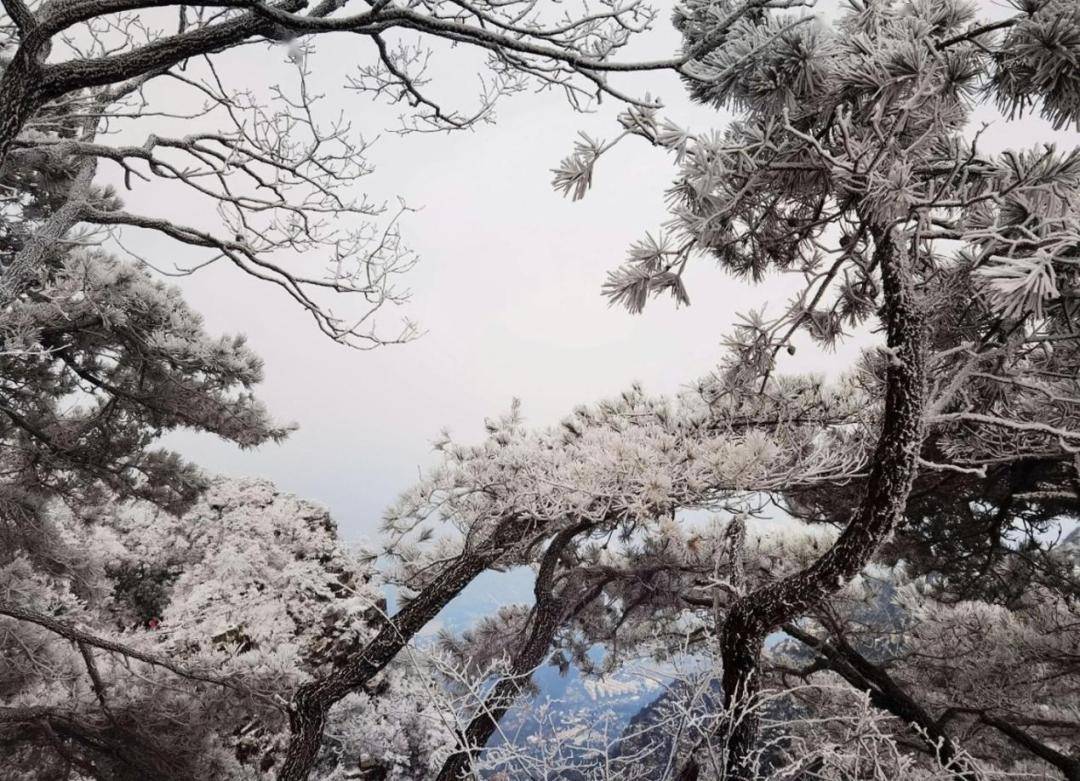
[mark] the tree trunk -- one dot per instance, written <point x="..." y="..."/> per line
<point x="28" y="83"/>
<point x="893" y="468"/>
<point x="20" y="97"/>
<point x="313" y="700"/>
<point x="546" y="620"/>
<point x="30" y="259"/>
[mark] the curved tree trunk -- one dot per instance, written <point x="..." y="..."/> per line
<point x="547" y="612"/>
<point x="20" y="96"/>
<point x="895" y="461"/>
<point x="312" y="701"/>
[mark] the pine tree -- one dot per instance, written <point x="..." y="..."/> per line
<point x="852" y="164"/>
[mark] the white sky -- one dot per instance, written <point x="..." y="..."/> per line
<point x="508" y="290"/>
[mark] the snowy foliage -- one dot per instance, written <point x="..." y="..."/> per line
<point x="853" y="124"/>
<point x="100" y="362"/>
<point x="628" y="463"/>
<point x="251" y="588"/>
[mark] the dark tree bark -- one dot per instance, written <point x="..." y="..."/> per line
<point x="20" y="95"/>
<point x="546" y="619"/>
<point x="312" y="701"/>
<point x="28" y="82"/>
<point x="895" y="461"/>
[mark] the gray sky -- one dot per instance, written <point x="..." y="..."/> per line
<point x="508" y="291"/>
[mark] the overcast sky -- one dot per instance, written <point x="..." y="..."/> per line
<point x="508" y="292"/>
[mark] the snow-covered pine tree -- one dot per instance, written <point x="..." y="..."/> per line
<point x="853" y="163"/>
